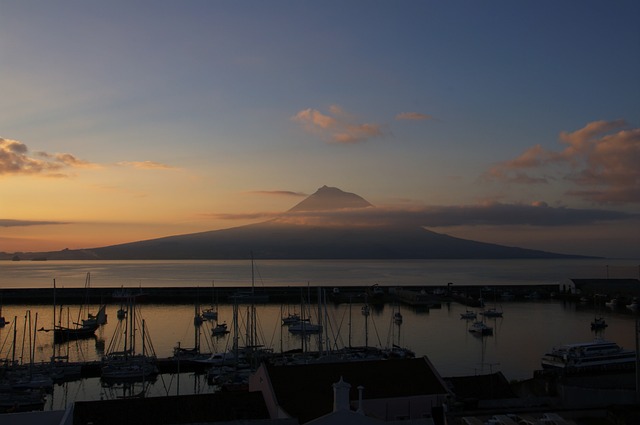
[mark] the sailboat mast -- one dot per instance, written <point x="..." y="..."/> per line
<point x="54" y="309"/>
<point x="35" y="333"/>
<point x="15" y="334"/>
<point x="320" y="320"/>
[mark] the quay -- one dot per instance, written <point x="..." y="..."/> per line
<point x="467" y="294"/>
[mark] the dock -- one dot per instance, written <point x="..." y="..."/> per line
<point x="281" y="294"/>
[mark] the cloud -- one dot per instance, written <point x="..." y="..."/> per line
<point x="242" y="216"/>
<point x="413" y="116"/>
<point x="538" y="213"/>
<point x="146" y="165"/>
<point x="601" y="159"/>
<point x="15" y="160"/>
<point x="279" y="193"/>
<point x="23" y="223"/>
<point x="338" y="127"/>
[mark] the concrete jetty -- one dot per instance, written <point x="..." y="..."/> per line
<point x="188" y="295"/>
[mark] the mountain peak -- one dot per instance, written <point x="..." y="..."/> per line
<point x="331" y="198"/>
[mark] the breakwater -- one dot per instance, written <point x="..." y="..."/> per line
<point x="185" y="295"/>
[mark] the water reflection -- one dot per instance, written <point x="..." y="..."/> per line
<point x="525" y="332"/>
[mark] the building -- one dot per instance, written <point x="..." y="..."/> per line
<point x="387" y="390"/>
<point x="612" y="288"/>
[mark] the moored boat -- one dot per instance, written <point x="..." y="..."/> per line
<point x="598" y="355"/>
<point x="305" y="327"/>
<point x="123" y="363"/>
<point x="468" y="314"/>
<point x="480" y="328"/>
<point x="220" y="329"/>
<point x="491" y="312"/>
<point x="598" y="323"/>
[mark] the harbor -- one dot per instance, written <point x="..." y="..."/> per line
<point x="372" y="321"/>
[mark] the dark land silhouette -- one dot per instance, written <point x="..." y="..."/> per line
<point x="310" y="230"/>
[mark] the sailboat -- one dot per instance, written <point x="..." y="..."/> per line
<point x="66" y="333"/>
<point x="123" y="363"/>
<point x="191" y="354"/>
<point x="493" y="311"/>
<point x="211" y="313"/>
<point x="98" y="319"/>
<point x="304" y="326"/>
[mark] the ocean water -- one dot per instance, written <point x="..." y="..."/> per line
<point x="526" y="330"/>
<point x="324" y="273"/>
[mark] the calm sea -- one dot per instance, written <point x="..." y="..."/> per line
<point x="526" y="331"/>
<point x="327" y="273"/>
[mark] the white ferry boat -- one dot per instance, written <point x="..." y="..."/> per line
<point x="599" y="355"/>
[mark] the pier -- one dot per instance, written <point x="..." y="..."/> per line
<point x="186" y="295"/>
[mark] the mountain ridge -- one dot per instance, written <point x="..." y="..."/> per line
<point x="281" y="238"/>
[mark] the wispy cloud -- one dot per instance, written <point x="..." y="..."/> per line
<point x="538" y="213"/>
<point x="261" y="215"/>
<point x="601" y="159"/>
<point x="337" y="126"/>
<point x="279" y="193"/>
<point x="146" y="165"/>
<point x="23" y="223"/>
<point x="413" y="116"/>
<point x="15" y="159"/>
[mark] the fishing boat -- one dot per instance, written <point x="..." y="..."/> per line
<point x="598" y="355"/>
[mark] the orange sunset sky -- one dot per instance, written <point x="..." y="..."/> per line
<point x="509" y="122"/>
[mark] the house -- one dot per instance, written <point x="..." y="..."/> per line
<point x="626" y="288"/>
<point x="387" y="390"/>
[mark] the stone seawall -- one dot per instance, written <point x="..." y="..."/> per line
<point x="185" y="295"/>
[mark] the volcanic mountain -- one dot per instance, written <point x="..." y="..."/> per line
<point x="325" y="225"/>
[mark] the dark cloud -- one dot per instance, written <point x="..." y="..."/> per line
<point x="22" y="223"/>
<point x="495" y="214"/>
<point x="279" y="193"/>
<point x="15" y="159"/>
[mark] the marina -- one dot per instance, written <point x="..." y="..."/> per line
<point x="179" y="332"/>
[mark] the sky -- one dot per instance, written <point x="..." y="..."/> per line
<point x="507" y="122"/>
